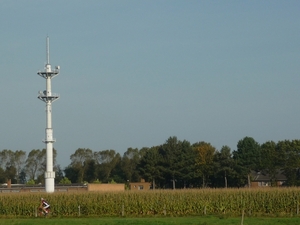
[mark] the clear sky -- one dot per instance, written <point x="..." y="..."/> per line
<point x="135" y="72"/>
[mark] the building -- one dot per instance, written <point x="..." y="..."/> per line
<point x="261" y="179"/>
<point x="138" y="186"/>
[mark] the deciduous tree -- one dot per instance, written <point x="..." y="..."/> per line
<point x="106" y="161"/>
<point x="79" y="160"/>
<point x="34" y="163"/>
<point x="204" y="160"/>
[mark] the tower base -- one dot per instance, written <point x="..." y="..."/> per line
<point x="49" y="181"/>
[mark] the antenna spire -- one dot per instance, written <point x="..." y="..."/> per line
<point x="48" y="97"/>
<point x="47" y="51"/>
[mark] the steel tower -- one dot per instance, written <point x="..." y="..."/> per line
<point x="48" y="97"/>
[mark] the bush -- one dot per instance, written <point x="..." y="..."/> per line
<point x="65" y="180"/>
<point x="30" y="182"/>
<point x="97" y="181"/>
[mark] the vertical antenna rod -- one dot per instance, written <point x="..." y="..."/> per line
<point x="48" y="97"/>
<point x="47" y="51"/>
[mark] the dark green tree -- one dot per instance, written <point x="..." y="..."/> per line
<point x="289" y="156"/>
<point x="149" y="166"/>
<point x="71" y="173"/>
<point x="3" y="178"/>
<point x="130" y="160"/>
<point x="223" y="168"/>
<point x="171" y="161"/>
<point x="270" y="163"/>
<point x="106" y="162"/>
<point x="22" y="177"/>
<point x="59" y="174"/>
<point x="186" y="164"/>
<point x="10" y="173"/>
<point x="117" y="174"/>
<point x="247" y="157"/>
<point x="90" y="173"/>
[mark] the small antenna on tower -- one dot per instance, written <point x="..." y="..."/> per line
<point x="47" y="51"/>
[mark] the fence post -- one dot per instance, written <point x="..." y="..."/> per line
<point x="79" y="210"/>
<point x="242" y="221"/>
<point x="123" y="209"/>
<point x="165" y="211"/>
<point x="297" y="207"/>
<point x="204" y="210"/>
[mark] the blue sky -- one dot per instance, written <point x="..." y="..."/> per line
<point x="135" y="72"/>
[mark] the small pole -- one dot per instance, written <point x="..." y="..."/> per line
<point x="35" y="212"/>
<point x="242" y="221"/>
<point x="79" y="210"/>
<point x="297" y="208"/>
<point x="123" y="210"/>
<point x="165" y="211"/>
<point x="204" y="210"/>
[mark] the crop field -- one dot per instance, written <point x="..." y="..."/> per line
<point x="269" y="202"/>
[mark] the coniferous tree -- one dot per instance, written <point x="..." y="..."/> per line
<point x="247" y="157"/>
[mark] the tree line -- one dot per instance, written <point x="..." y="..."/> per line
<point x="20" y="168"/>
<point x="173" y="164"/>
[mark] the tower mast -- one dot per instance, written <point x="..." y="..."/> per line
<point x="48" y="97"/>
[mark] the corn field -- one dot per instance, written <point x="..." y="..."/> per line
<point x="254" y="202"/>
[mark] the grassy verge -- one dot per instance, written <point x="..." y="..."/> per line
<point x="152" y="220"/>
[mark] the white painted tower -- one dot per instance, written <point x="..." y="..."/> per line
<point x="48" y="97"/>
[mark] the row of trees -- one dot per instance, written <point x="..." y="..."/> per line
<point x="180" y="164"/>
<point x="20" y="168"/>
<point x="174" y="164"/>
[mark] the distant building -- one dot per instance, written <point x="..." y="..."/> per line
<point x="138" y="186"/>
<point x="261" y="179"/>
